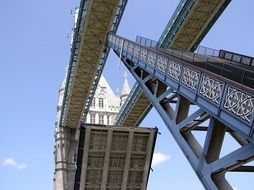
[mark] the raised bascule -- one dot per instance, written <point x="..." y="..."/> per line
<point x="211" y="93"/>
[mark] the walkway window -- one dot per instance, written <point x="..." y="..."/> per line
<point x="101" y="119"/>
<point x="101" y="103"/>
<point x="92" y="118"/>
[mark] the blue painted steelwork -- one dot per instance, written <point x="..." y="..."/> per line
<point x="135" y="91"/>
<point x="226" y="100"/>
<point x="167" y="36"/>
<point x="228" y="106"/>
<point x="78" y="30"/>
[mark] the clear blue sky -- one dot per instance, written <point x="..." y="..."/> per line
<point x="34" y="52"/>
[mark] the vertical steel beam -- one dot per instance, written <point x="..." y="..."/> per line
<point x="127" y="160"/>
<point x="182" y="110"/>
<point x="149" y="150"/>
<point x="85" y="159"/>
<point x="106" y="160"/>
<point x="215" y="140"/>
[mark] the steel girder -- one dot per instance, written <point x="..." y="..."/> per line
<point x="88" y="56"/>
<point x="188" y="25"/>
<point x="158" y="79"/>
<point x="104" y="56"/>
<point x="190" y="22"/>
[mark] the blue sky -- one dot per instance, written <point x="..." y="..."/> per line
<point x="34" y="52"/>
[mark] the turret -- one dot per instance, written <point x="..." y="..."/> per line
<point x="125" y="89"/>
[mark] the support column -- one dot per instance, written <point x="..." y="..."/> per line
<point x="149" y="150"/>
<point x="182" y="109"/>
<point x="127" y="160"/>
<point x="106" y="160"/>
<point x="216" y="141"/>
<point x="85" y="158"/>
<point x="64" y="152"/>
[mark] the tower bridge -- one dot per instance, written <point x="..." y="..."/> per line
<point x="188" y="90"/>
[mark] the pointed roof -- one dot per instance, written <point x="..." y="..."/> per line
<point x="126" y="87"/>
<point x="111" y="97"/>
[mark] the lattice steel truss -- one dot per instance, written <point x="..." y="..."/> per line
<point x="204" y="102"/>
<point x="187" y="27"/>
<point x="88" y="56"/>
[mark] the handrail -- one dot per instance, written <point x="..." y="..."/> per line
<point x="193" y="77"/>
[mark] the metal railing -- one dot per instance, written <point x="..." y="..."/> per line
<point x="202" y="50"/>
<point x="204" y="57"/>
<point x="235" y="100"/>
<point x="237" y="58"/>
<point x="214" y="64"/>
<point x="146" y="42"/>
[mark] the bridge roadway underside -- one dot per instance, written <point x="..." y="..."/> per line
<point x="191" y="23"/>
<point x="111" y="157"/>
<point x="98" y="22"/>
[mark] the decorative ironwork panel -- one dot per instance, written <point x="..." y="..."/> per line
<point x="190" y="78"/>
<point x="130" y="48"/>
<point x="113" y="40"/>
<point x="239" y="103"/>
<point x="211" y="89"/>
<point x="162" y="63"/>
<point x="143" y="54"/>
<point x="118" y="42"/>
<point x="174" y="70"/>
<point x="136" y="51"/>
<point x="151" y="59"/>
<point x="125" y="45"/>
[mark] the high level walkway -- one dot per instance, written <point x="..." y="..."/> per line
<point x="187" y="27"/>
<point x="88" y="55"/>
<point x="205" y="101"/>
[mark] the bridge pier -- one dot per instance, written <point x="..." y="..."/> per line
<point x="65" y="158"/>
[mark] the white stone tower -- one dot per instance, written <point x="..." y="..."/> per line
<point x="104" y="109"/>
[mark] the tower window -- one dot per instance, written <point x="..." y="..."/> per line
<point x="101" y="119"/>
<point x="101" y="103"/>
<point x="108" y="120"/>
<point x="92" y="118"/>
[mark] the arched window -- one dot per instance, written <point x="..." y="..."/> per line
<point x="92" y="118"/>
<point x="93" y="103"/>
<point x="101" y="119"/>
<point x="108" y="119"/>
<point x="101" y="103"/>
